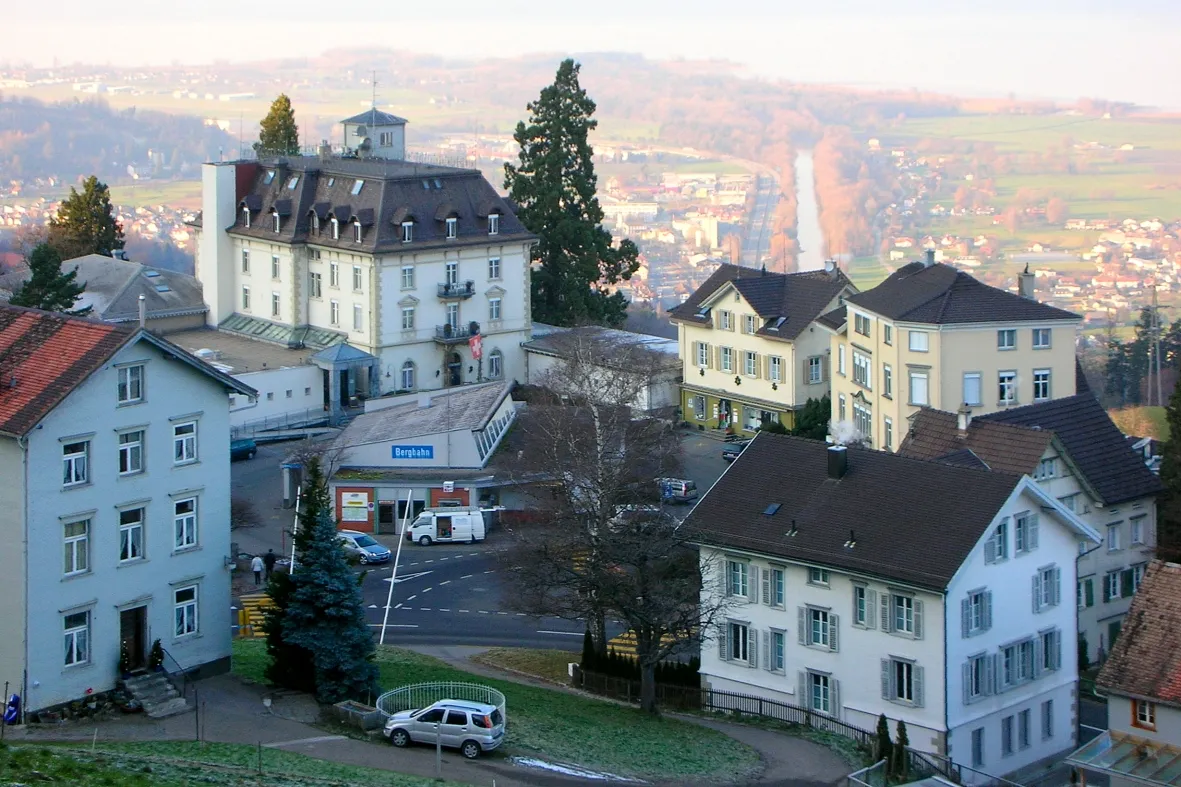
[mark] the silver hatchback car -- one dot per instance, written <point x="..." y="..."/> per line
<point x="471" y="727"/>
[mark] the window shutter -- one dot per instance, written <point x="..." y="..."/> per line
<point x="887" y="676"/>
<point x="824" y="368"/>
<point x="990" y="663"/>
<point x="723" y="652"/>
<point x="752" y="646"/>
<point x="918" y="619"/>
<point x="1031" y="535"/>
<point x="767" y="587"/>
<point x="724" y="578"/>
<point x="1037" y="592"/>
<point x="1057" y="586"/>
<point x="802" y="698"/>
<point x="709" y="357"/>
<point x="918" y="686"/>
<point x="1106" y="589"/>
<point x="1089" y="593"/>
<point x="871" y="603"/>
<point x="987" y="610"/>
<point x="885" y="613"/>
<point x="834" y="696"/>
<point x="1126" y="589"/>
<point x="767" y="366"/>
<point x="767" y="650"/>
<point x="1038" y="658"/>
<point x="803" y="627"/>
<point x="752" y="589"/>
<point x="834" y="625"/>
<point x="966" y="616"/>
<point x="757" y="359"/>
<point x="1057" y="655"/>
<point x="990" y="549"/>
<point x="718" y="360"/>
<point x="967" y="681"/>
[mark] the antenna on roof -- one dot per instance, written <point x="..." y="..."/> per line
<point x="373" y="102"/>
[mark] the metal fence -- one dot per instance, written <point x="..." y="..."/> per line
<point x="875" y="775"/>
<point x="312" y="416"/>
<point x="421" y="695"/>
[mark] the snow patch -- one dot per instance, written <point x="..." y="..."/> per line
<point x="571" y="770"/>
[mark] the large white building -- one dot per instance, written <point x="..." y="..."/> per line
<point x="425" y="268"/>
<point x="950" y="584"/>
<point x="114" y="508"/>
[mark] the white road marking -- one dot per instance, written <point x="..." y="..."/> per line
<point x="425" y="609"/>
<point x="443" y="610"/>
<point x="398" y="606"/>
<point x="501" y="613"/>
<point x="428" y="561"/>
<point x="465" y="610"/>
<point x="395" y="625"/>
<point x="445" y="582"/>
<point x="407" y="577"/>
<point x="373" y="606"/>
<point x="564" y="633"/>
<point x="427" y="590"/>
<point x="482" y="611"/>
<point x="318" y="739"/>
<point x="489" y="571"/>
<point x="412" y="597"/>
<point x="467" y="576"/>
<point x="520" y="614"/>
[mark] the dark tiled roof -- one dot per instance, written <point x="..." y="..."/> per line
<point x="1146" y="659"/>
<point x="942" y="295"/>
<point x="795" y="298"/>
<point x="389" y="193"/>
<point x="965" y="457"/>
<point x="835" y="318"/>
<point x="1095" y="445"/>
<point x="883" y="498"/>
<point x="934" y="434"/>
<point x="1081" y="386"/>
<point x="375" y="117"/>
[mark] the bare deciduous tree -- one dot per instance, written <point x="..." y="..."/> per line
<point x="242" y="513"/>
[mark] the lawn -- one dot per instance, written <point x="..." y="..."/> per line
<point x="558" y="726"/>
<point x="175" y="194"/>
<point x="1142" y="421"/>
<point x="868" y="272"/>
<point x="551" y="665"/>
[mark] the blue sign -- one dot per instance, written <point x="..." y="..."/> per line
<point x="413" y="451"/>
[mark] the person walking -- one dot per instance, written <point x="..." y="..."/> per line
<point x="257" y="566"/>
<point x="268" y="560"/>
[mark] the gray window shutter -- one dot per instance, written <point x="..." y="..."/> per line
<point x="767" y="650"/>
<point x="1038" y="657"/>
<point x="886" y="621"/>
<point x="990" y="667"/>
<point x="834" y="695"/>
<point x="824" y="368"/>
<point x="767" y="587"/>
<point x="1031" y="536"/>
<point x="1037" y="592"/>
<point x="918" y="619"/>
<point x="1057" y="586"/>
<point x="966" y="616"/>
<point x="752" y="646"/>
<point x="752" y="589"/>
<point x="967" y="671"/>
<point x="918" y="686"/>
<point x="887" y="679"/>
<point x="803" y="626"/>
<point x="834" y="625"/>
<point x="803" y="700"/>
<point x="990" y="549"/>
<point x="723" y="651"/>
<point x="724" y="578"/>
<point x="1057" y="649"/>
<point x="987" y="610"/>
<point x="871" y="604"/>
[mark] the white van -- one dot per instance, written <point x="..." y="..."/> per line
<point x="446" y="525"/>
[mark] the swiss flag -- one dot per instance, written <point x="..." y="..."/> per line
<point x="476" y="344"/>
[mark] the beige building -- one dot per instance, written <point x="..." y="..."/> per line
<point x="751" y="350"/>
<point x="933" y="336"/>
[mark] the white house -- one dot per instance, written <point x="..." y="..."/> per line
<point x="114" y="511"/>
<point x="866" y="583"/>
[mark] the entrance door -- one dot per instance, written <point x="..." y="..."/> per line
<point x="133" y="635"/>
<point x="386" y="521"/>
<point x="345" y="393"/>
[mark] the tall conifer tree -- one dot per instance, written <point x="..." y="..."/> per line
<point x="278" y="133"/>
<point x="48" y="287"/>
<point x="85" y="222"/>
<point x="1168" y="512"/>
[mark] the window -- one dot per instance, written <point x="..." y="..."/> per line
<point x="1111" y="586"/>
<point x="495" y="365"/>
<point x="494" y="268"/>
<point x="1017" y="663"/>
<point x="702" y="354"/>
<point x="815" y="370"/>
<point x="453" y="316"/>
<point x="1137" y="576"/>
<point x="737" y="583"/>
<point x="977" y="677"/>
<point x="407" y="277"/>
<point x="978" y="747"/>
<point x="274" y="266"/>
<point x="358" y="317"/>
<point x="184" y="521"/>
<point x="819" y="628"/>
<point x="888" y="334"/>
<point x="888" y="434"/>
<point x="902" y="681"/>
<point x="887" y="381"/>
<point x="407" y="231"/>
<point x="315" y="223"/>
<point x="75" y="463"/>
<point x="1047" y="720"/>
<point x="862" y="606"/>
<point x="1047" y="586"/>
<point x="494" y="224"/>
<point x="1143" y="714"/>
<point x="776" y="660"/>
<point x="275" y="304"/>
<point x="1138" y="529"/>
<point x="1041" y="385"/>
<point x="726" y="321"/>
<point x="902" y="614"/>
<point x="335" y="228"/>
<point x="1113" y="537"/>
<point x="1006" y="339"/>
<point x="738" y="637"/>
<point x="918" y="388"/>
<point x="131" y="452"/>
<point x="246" y="299"/>
<point x="840" y="407"/>
<point x="357" y="278"/>
<point x="820" y="693"/>
<point x="452" y="273"/>
<point x="315" y="281"/>
<point x="386" y="139"/>
<point x="776" y="369"/>
<point x="77" y="543"/>
<point x="494" y="308"/>
<point x="1046" y="468"/>
<point x="818" y="576"/>
<point x="750" y="364"/>
<point x="358" y="232"/>
<point x="973" y="394"/>
<point x="184" y="442"/>
<point x="1007" y="387"/>
<point x="862" y="374"/>
<point x="275" y="221"/>
<point x="185" y="611"/>
<point x="1085" y="593"/>
<point x="1007" y="736"/>
<point x="1023" y="729"/>
<point x="918" y="341"/>
<point x="748" y="323"/>
<point x="131" y="534"/>
<point x="863" y="421"/>
<point x="77" y="631"/>
<point x="1025" y="527"/>
<point x="246" y="217"/>
<point x="334" y="312"/>
<point x="408" y="376"/>
<point x="774" y="589"/>
<point x="245" y="260"/>
<point x="861" y="324"/>
<point x="288" y="393"/>
<point x="1051" y="650"/>
<point x="976" y="612"/>
<point x="840" y="359"/>
<point x="131" y="384"/>
<point x="727" y="359"/>
<point x="333" y="275"/>
<point x="452" y="228"/>
<point x="996" y="548"/>
<point x="1041" y="338"/>
<point x="408" y="318"/>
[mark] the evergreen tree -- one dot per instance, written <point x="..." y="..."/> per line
<point x="1168" y="512"/>
<point x="48" y="287"/>
<point x="278" y="135"/>
<point x="883" y="748"/>
<point x="553" y="186"/>
<point x="324" y="613"/>
<point x="812" y="420"/>
<point x="85" y="222"/>
<point x="589" y="655"/>
<point x="901" y="759"/>
<point x="1121" y="386"/>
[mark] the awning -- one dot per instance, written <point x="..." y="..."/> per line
<point x="1130" y="757"/>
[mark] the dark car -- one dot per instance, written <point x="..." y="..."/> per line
<point x="242" y="449"/>
<point x="731" y="451"/>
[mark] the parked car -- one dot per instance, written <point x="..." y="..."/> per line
<point x="471" y="727"/>
<point x="731" y="451"/>
<point x="242" y="449"/>
<point x="446" y="525"/>
<point x="364" y="546"/>
<point x="677" y="490"/>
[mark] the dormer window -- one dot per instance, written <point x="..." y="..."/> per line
<point x="275" y="221"/>
<point x="270" y="176"/>
<point x="246" y="217"/>
<point x="494" y="224"/>
<point x="356" y="232"/>
<point x="315" y="223"/>
<point x="293" y="182"/>
<point x="452" y="228"/>
<point x="335" y="229"/>
<point x="407" y="231"/>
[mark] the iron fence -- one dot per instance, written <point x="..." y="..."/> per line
<point x="420" y="695"/>
<point x="312" y="416"/>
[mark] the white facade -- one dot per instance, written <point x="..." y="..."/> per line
<point x="858" y="645"/>
<point x="283" y="391"/>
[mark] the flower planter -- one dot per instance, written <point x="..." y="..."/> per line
<point x="354" y="714"/>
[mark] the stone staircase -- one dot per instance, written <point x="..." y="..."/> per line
<point x="156" y="694"/>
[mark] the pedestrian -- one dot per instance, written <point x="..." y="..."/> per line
<point x="269" y="561"/>
<point x="257" y="566"/>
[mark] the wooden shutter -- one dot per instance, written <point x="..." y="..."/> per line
<point x="887" y="623"/>
<point x="752" y="587"/>
<point x="990" y="667"/>
<point x="990" y="549"/>
<point x="1089" y="592"/>
<point x="724" y="578"/>
<point x="803" y="625"/>
<point x="887" y="679"/>
<point x="1127" y="585"/>
<point x="718" y="360"/>
<point x="967" y="673"/>
<point x="966" y="617"/>
<point x="803" y="700"/>
<point x="767" y="587"/>
<point x="766" y="636"/>
<point x="917" y="677"/>
<point x="767" y="367"/>
<point x="987" y="610"/>
<point x="918" y="619"/>
<point x="723" y="652"/>
<point x="752" y="646"/>
<point x="1031" y="534"/>
<point x="1038" y="657"/>
<point x="1057" y="654"/>
<point x="824" y="370"/>
<point x="834" y="625"/>
<point x="871" y="604"/>
<point x="834" y="697"/>
<point x="1057" y="586"/>
<point x="1037" y="592"/>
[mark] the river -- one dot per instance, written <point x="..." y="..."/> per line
<point x="811" y="240"/>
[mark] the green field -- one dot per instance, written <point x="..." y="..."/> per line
<point x="1038" y="132"/>
<point x="867" y="272"/>
<point x="185" y="194"/>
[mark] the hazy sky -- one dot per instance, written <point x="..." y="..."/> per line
<point x="1120" y="49"/>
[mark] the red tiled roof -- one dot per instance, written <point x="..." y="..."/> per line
<point x="1146" y="659"/>
<point x="44" y="356"/>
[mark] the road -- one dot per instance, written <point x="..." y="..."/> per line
<point x="756" y="244"/>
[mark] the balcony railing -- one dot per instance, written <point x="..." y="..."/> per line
<point x="459" y="289"/>
<point x="456" y="334"/>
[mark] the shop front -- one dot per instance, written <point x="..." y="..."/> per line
<point x="721" y="411"/>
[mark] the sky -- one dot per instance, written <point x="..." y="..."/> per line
<point x="1127" y="50"/>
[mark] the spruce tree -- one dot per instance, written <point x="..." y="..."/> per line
<point x="901" y="758"/>
<point x="553" y="186"/>
<point x="1168" y="511"/>
<point x="48" y="287"/>
<point x="883" y="748"/>
<point x="85" y="222"/>
<point x="325" y="615"/>
<point x="278" y="135"/>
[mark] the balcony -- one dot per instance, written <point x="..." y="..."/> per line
<point x="458" y="291"/>
<point x="448" y="334"/>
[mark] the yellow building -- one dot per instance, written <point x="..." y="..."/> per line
<point x="933" y="336"/>
<point x="751" y="351"/>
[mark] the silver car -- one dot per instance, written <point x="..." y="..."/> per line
<point x="364" y="546"/>
<point x="471" y="727"/>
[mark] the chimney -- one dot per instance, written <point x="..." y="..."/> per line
<point x="143" y="311"/>
<point x="963" y="417"/>
<point x="1026" y="282"/>
<point x="830" y="267"/>
<point x="930" y="258"/>
<point x="325" y="150"/>
<point x="838" y="461"/>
